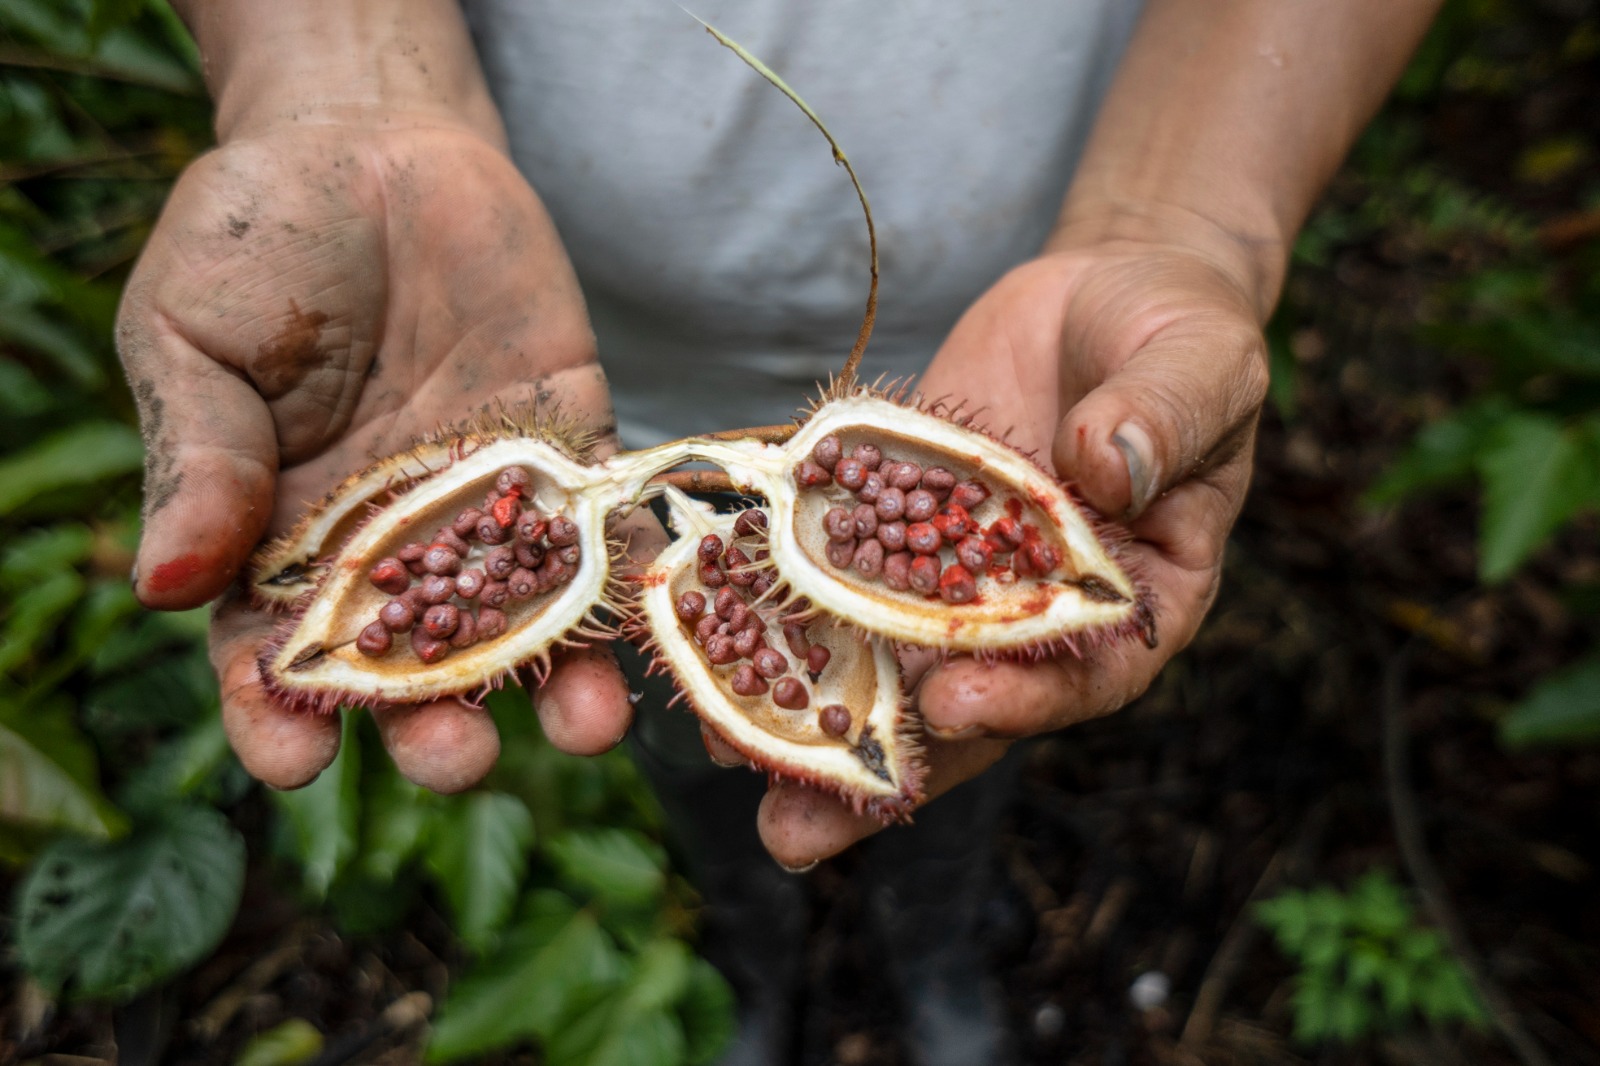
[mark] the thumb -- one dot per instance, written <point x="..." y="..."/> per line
<point x="211" y="464"/>
<point x="1185" y="399"/>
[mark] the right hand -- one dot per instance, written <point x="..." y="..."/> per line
<point x="317" y="294"/>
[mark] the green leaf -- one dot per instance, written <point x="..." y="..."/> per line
<point x="617" y="865"/>
<point x="1564" y="708"/>
<point x="529" y="987"/>
<point x="1535" y="477"/>
<point x="43" y="553"/>
<point x="478" y="853"/>
<point x="395" y="821"/>
<point x="325" y="816"/>
<point x="105" y="920"/>
<point x="48" y="778"/>
<point x="286" y="1044"/>
<point x="33" y="618"/>
<point x="1378" y="906"/>
<point x="707" y="1013"/>
<point x="179" y="767"/>
<point x="85" y="454"/>
<point x="1443" y="453"/>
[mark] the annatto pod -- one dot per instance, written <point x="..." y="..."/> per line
<point x="797" y="693"/>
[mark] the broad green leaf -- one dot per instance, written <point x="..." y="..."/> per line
<point x="1443" y="453"/>
<point x="174" y="690"/>
<point x="478" y="853"/>
<point x="1378" y="906"/>
<point x="85" y="454"/>
<point x="179" y="767"/>
<point x="34" y="616"/>
<point x="1564" y="708"/>
<point x="47" y="775"/>
<point x="69" y="352"/>
<point x="325" y="816"/>
<point x="394" y="821"/>
<point x="105" y="920"/>
<point x="42" y="553"/>
<point x="707" y="1013"/>
<point x="527" y="989"/>
<point x="285" y="1044"/>
<point x="1533" y="471"/>
<point x="617" y="865"/>
<point x="609" y="1035"/>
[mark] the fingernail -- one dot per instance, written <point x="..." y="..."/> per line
<point x="731" y="765"/>
<point x="804" y="868"/>
<point x="965" y="732"/>
<point x="1134" y="444"/>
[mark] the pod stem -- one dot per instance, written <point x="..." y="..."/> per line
<point x="697" y="481"/>
<point x="844" y="383"/>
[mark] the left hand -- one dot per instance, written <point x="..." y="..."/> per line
<point x="1137" y="366"/>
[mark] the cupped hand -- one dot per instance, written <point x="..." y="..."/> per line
<point x="316" y="296"/>
<point x="1137" y="369"/>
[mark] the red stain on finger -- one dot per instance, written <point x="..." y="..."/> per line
<point x="177" y="574"/>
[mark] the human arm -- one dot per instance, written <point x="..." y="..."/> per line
<point x="357" y="262"/>
<point x="1129" y="352"/>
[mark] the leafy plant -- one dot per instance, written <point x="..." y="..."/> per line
<point x="1366" y="966"/>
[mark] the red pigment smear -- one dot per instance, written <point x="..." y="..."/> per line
<point x="176" y="574"/>
<point x="1014" y="508"/>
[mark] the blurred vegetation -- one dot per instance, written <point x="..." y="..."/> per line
<point x="118" y="794"/>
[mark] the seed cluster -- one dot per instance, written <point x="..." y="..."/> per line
<point x="449" y="593"/>
<point x="730" y="623"/>
<point x="912" y="529"/>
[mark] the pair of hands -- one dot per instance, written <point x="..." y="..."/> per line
<point x="318" y="295"/>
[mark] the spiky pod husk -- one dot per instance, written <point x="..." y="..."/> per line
<point x="875" y="765"/>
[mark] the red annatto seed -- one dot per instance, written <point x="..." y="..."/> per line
<point x="897" y="570"/>
<point x="841" y="552"/>
<point x="957" y="585"/>
<point x="429" y="649"/>
<point x="906" y="476"/>
<point x="746" y="641"/>
<point x="725" y="602"/>
<point x="469" y="583"/>
<point x="720" y="650"/>
<point x="746" y="682"/>
<point x="1007" y="531"/>
<point x="710" y="549"/>
<point x="375" y="640"/>
<point x="562" y="531"/>
<point x="1042" y="557"/>
<point x="436" y="588"/>
<point x="553" y="572"/>
<point x="500" y="561"/>
<point x="513" y="481"/>
<point x="834" y="720"/>
<point x="969" y="494"/>
<point x="390" y="575"/>
<point x="490" y="531"/>
<point x="531" y="527"/>
<point x="466" y="523"/>
<point x="568" y="554"/>
<point x="924" y="576"/>
<point x="447" y="537"/>
<point x="491" y="623"/>
<point x="770" y="663"/>
<point x="398" y="616"/>
<point x="494" y="594"/>
<point x="865" y="520"/>
<point x="939" y="481"/>
<point x="761" y="585"/>
<point x="828" y="452"/>
<point x="817" y="660"/>
<point x="711" y="576"/>
<point x="920" y="505"/>
<point x="690" y="606"/>
<point x="871" y="487"/>
<point x="890" y="505"/>
<point x="739" y="571"/>
<point x="892" y="535"/>
<point x="529" y="555"/>
<point x="750" y="522"/>
<point x="808" y="475"/>
<point x="739" y="617"/>
<point x="522" y="583"/>
<point x="506" y="511"/>
<point x="868" y="455"/>
<point x="923" y="538"/>
<point x="952" y="522"/>
<point x="794" y="635"/>
<point x="441" y="559"/>
<point x="850" y="473"/>
<point x="868" y="560"/>
<point x="839" y="524"/>
<point x="790" y="693"/>
<point x="974" y="553"/>
<point x="466" y="633"/>
<point x="411" y="555"/>
<point x="441" y="620"/>
<point x="706" y="628"/>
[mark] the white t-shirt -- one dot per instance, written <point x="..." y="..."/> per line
<point x="722" y="252"/>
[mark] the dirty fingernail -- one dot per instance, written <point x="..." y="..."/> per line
<point x="965" y="732"/>
<point x="1134" y="444"/>
<point x="803" y="868"/>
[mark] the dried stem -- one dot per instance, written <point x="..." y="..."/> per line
<point x="697" y="481"/>
<point x="764" y="434"/>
